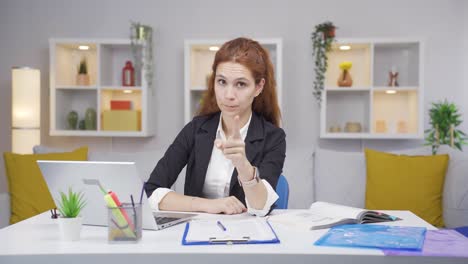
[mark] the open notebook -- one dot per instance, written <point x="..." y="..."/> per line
<point x="247" y="231"/>
<point x="325" y="215"/>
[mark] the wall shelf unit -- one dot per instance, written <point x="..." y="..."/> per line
<point x="105" y="60"/>
<point x="198" y="59"/>
<point x="370" y="108"/>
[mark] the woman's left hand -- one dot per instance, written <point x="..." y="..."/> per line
<point x="234" y="149"/>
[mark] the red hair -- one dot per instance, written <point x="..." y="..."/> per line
<point x="254" y="57"/>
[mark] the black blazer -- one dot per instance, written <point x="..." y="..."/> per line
<point x="265" y="147"/>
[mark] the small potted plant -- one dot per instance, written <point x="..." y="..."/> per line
<point x="322" y="38"/>
<point x="70" y="220"/>
<point x="444" y="122"/>
<point x="82" y="78"/>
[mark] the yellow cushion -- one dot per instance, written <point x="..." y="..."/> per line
<point x="400" y="182"/>
<point x="29" y="194"/>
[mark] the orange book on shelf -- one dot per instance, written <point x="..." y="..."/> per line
<point x="120" y="105"/>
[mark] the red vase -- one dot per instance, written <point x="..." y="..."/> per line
<point x="128" y="74"/>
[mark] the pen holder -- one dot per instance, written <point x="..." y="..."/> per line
<point x="124" y="223"/>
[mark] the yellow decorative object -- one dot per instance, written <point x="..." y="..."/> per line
<point x="345" y="80"/>
<point x="346" y="65"/>
<point x="121" y="120"/>
<point x="29" y="194"/>
<point x="400" y="182"/>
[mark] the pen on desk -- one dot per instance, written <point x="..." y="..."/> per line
<point x="142" y="190"/>
<point x="133" y="203"/>
<point x="221" y="225"/>
<point x="134" y="211"/>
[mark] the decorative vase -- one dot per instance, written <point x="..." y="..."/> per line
<point x="393" y="77"/>
<point x="72" y="120"/>
<point x="128" y="74"/>
<point x="70" y="228"/>
<point x="90" y="119"/>
<point x="345" y="79"/>
<point x="81" y="124"/>
<point x="82" y="79"/>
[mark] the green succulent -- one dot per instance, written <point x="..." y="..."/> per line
<point x="444" y="118"/>
<point x="71" y="205"/>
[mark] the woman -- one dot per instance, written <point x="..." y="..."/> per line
<point x="234" y="149"/>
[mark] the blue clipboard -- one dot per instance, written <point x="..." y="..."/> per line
<point x="223" y="241"/>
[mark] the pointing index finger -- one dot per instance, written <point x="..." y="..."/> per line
<point x="237" y="134"/>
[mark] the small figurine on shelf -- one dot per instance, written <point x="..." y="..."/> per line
<point x="393" y="77"/>
<point x="82" y="78"/>
<point x="345" y="79"/>
<point x="128" y="74"/>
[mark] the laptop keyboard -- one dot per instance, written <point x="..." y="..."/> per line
<point x="164" y="220"/>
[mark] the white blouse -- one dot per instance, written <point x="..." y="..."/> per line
<point x="218" y="178"/>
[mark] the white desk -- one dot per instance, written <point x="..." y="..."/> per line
<point x="37" y="240"/>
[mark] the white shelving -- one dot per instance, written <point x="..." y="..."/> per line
<point x="382" y="112"/>
<point x="105" y="59"/>
<point x="198" y="59"/>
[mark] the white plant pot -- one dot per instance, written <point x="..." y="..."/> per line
<point x="70" y="228"/>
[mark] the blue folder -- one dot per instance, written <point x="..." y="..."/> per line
<point x="229" y="241"/>
<point x="374" y="236"/>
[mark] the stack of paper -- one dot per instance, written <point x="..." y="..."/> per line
<point x="229" y="231"/>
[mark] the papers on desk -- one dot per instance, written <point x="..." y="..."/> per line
<point x="248" y="231"/>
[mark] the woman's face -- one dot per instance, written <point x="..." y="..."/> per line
<point x="235" y="89"/>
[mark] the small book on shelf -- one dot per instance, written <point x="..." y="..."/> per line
<point x="325" y="215"/>
<point x="120" y="105"/>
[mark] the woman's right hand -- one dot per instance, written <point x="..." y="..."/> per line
<point x="228" y="205"/>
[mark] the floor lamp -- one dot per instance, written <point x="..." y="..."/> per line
<point x="26" y="109"/>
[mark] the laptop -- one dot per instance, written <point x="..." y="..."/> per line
<point x="120" y="177"/>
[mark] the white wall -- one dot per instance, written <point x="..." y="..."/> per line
<point x="25" y="27"/>
<point x="465" y="68"/>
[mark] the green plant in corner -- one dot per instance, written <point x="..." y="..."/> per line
<point x="83" y="67"/>
<point x="322" y="38"/>
<point x="444" y="122"/>
<point x="71" y="205"/>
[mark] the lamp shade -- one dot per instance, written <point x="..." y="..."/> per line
<point x="26" y="109"/>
